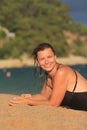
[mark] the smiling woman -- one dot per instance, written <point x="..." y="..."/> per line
<point x="63" y="86"/>
<point x="46" y="59"/>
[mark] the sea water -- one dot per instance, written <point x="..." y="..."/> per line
<point x="26" y="80"/>
<point x="21" y="80"/>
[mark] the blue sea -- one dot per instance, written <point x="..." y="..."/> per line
<point x="77" y="10"/>
<point x="26" y="80"/>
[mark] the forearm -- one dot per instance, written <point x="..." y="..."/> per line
<point x="38" y="97"/>
<point x="29" y="101"/>
<point x="38" y="102"/>
<point x="33" y="100"/>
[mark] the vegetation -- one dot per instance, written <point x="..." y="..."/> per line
<point x="36" y="21"/>
<point x="2" y="34"/>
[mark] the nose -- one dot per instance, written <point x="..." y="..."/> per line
<point x="46" y="61"/>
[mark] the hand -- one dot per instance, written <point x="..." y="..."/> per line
<point x="26" y="95"/>
<point x="18" y="100"/>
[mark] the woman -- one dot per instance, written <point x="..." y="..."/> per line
<point x="63" y="85"/>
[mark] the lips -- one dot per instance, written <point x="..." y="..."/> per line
<point x="48" y="67"/>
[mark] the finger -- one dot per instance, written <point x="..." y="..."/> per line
<point x="26" y="95"/>
<point x="17" y="98"/>
<point x="12" y="103"/>
<point x="23" y="95"/>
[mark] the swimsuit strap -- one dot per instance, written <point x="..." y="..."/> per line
<point x="75" y="82"/>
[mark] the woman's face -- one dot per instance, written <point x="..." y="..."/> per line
<point x="46" y="59"/>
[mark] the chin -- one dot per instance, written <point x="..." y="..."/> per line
<point x="48" y="69"/>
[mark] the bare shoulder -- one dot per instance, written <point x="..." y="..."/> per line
<point x="64" y="75"/>
<point x="63" y="70"/>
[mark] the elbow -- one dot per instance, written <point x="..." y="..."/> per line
<point x="54" y="104"/>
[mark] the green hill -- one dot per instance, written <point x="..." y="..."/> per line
<point x="31" y="22"/>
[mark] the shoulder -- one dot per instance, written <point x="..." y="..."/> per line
<point x="63" y="69"/>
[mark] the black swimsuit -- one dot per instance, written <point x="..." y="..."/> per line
<point x="75" y="100"/>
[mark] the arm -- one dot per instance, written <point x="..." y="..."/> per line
<point x="46" y="97"/>
<point x="25" y="98"/>
<point x="43" y="95"/>
<point x="34" y="97"/>
<point x="60" y="83"/>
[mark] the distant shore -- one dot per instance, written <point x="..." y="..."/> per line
<point x="26" y="62"/>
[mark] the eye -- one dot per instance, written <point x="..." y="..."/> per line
<point x="41" y="59"/>
<point x="49" y="56"/>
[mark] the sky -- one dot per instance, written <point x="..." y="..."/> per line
<point x="78" y="10"/>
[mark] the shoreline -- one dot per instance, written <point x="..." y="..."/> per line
<point x="27" y="62"/>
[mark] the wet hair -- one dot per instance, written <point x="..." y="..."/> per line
<point x="41" y="47"/>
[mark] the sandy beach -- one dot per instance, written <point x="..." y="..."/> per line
<point x="24" y="117"/>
